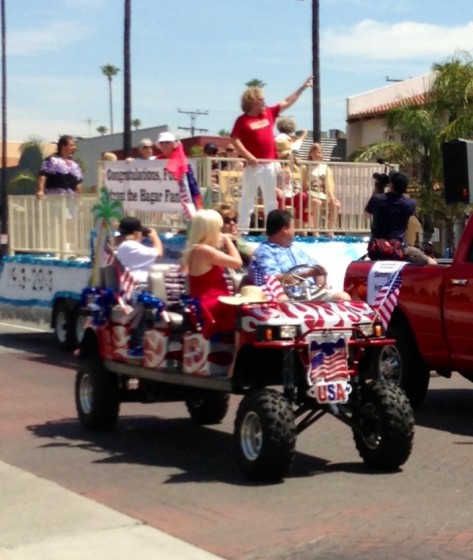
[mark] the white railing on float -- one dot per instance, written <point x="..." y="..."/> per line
<point x="62" y="225"/>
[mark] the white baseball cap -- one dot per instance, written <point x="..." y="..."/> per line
<point x="166" y="137"/>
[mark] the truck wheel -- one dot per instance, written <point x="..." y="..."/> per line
<point x="384" y="425"/>
<point x="63" y="333"/>
<point x="402" y="365"/>
<point x="96" y="393"/>
<point x="208" y="408"/>
<point x="265" y="435"/>
<point x="78" y="326"/>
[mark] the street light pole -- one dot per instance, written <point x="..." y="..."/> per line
<point x="316" y="72"/>
<point x="3" y="177"/>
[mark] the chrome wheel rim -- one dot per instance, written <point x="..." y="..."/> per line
<point x="86" y="393"/>
<point x="390" y="365"/>
<point x="251" y="437"/>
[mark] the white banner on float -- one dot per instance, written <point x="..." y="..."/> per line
<point x="143" y="185"/>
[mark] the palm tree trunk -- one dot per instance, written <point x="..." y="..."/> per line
<point x="127" y="80"/>
<point x="110" y="100"/>
<point x="316" y="71"/>
<point x="4" y="198"/>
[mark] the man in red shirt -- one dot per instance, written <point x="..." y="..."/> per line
<point x="254" y="140"/>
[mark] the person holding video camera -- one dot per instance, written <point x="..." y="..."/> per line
<point x="133" y="253"/>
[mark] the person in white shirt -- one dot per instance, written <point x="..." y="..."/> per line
<point x="133" y="253"/>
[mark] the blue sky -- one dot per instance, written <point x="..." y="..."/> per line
<point x="198" y="54"/>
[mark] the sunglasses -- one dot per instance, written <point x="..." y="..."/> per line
<point x="228" y="221"/>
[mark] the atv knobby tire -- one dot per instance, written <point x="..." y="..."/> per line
<point x="384" y="425"/>
<point x="265" y="435"/>
<point x="208" y="408"/>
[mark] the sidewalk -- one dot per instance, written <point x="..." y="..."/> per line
<point x="40" y="520"/>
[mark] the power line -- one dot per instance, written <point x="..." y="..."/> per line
<point x="193" y="116"/>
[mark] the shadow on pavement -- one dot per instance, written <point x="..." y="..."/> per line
<point x="202" y="453"/>
<point x="42" y="345"/>
<point x="449" y="410"/>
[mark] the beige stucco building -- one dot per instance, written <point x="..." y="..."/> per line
<point x="366" y="112"/>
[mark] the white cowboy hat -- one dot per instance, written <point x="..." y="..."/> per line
<point x="248" y="294"/>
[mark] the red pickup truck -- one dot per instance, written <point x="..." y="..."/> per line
<point x="432" y="321"/>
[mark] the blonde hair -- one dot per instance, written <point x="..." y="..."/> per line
<point x="206" y="227"/>
<point x="109" y="156"/>
<point x="314" y="146"/>
<point x="249" y="97"/>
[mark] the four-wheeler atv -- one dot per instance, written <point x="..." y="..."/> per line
<point x="292" y="362"/>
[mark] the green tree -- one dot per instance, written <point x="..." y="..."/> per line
<point x="102" y="130"/>
<point x="136" y="123"/>
<point x="110" y="71"/>
<point x="105" y="212"/>
<point x="255" y="83"/>
<point x="224" y="132"/>
<point x="29" y="164"/>
<point x="420" y="130"/>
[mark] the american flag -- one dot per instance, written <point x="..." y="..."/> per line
<point x="270" y="285"/>
<point x="126" y="281"/>
<point x="189" y="191"/>
<point x="387" y="297"/>
<point x="328" y="360"/>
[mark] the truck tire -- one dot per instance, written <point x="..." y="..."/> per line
<point x="96" y="395"/>
<point x="403" y="365"/>
<point x="208" y="408"/>
<point x="265" y="435"/>
<point x="383" y="425"/>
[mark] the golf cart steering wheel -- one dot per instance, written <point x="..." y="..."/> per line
<point x="299" y="281"/>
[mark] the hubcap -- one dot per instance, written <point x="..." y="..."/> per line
<point x="86" y="393"/>
<point x="390" y="367"/>
<point x="61" y="326"/>
<point x="251" y="436"/>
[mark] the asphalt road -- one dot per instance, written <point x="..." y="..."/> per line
<point x="160" y="468"/>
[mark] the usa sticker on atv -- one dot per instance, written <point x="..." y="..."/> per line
<point x="328" y="375"/>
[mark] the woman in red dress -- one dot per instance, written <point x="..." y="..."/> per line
<point x="208" y="253"/>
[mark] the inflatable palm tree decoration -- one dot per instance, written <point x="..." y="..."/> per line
<point x="106" y="211"/>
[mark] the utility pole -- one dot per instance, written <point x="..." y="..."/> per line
<point x="193" y="115"/>
<point x="4" y="197"/>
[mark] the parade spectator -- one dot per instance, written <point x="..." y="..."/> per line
<point x="145" y="150"/>
<point x="59" y="173"/>
<point x="230" y="227"/>
<point x="253" y="138"/>
<point x="318" y="183"/>
<point x="275" y="256"/>
<point x="287" y="133"/>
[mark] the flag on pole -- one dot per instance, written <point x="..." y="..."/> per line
<point x="189" y="191"/>
<point x="270" y="285"/>
<point x="387" y="298"/>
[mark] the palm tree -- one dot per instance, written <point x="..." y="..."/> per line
<point x="136" y="123"/>
<point x="255" y="83"/>
<point x="105" y="212"/>
<point x="316" y="71"/>
<point x="102" y="130"/>
<point x="110" y="71"/>
<point x="4" y="199"/>
<point x="127" y="80"/>
<point x="446" y="114"/>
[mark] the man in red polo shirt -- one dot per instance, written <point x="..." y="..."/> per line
<point x="254" y="140"/>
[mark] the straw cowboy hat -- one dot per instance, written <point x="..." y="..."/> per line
<point x="248" y="294"/>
